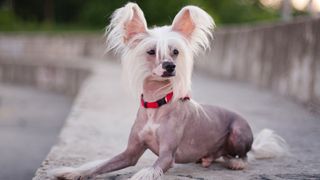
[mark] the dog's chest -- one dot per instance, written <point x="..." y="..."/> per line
<point x="148" y="133"/>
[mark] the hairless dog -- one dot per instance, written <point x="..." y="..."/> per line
<point x="158" y="64"/>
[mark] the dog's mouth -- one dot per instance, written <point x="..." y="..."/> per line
<point x="168" y="74"/>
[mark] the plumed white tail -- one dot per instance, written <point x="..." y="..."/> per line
<point x="268" y="144"/>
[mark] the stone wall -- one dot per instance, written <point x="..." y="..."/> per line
<point x="55" y="62"/>
<point x="282" y="57"/>
<point x="60" y="77"/>
<point x="67" y="45"/>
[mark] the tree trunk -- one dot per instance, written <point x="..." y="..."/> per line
<point x="286" y="13"/>
<point x="49" y="11"/>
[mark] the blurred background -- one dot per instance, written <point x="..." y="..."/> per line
<point x="92" y="15"/>
<point x="48" y="48"/>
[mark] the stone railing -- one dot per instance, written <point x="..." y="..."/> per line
<point x="63" y="77"/>
<point x="282" y="57"/>
<point x="67" y="45"/>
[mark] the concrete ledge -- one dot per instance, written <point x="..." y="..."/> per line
<point x="97" y="126"/>
<point x="99" y="123"/>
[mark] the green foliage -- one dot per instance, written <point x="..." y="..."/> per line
<point x="94" y="14"/>
<point x="97" y="12"/>
<point x="160" y="12"/>
<point x="239" y="11"/>
<point x="7" y="20"/>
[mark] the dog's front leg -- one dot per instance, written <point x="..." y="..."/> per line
<point x="163" y="163"/>
<point x="168" y="143"/>
<point x="127" y="158"/>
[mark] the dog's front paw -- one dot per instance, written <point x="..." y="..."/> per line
<point x="148" y="174"/>
<point x="68" y="173"/>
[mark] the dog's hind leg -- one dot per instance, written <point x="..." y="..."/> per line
<point x="238" y="144"/>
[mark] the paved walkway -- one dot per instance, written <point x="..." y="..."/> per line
<point x="30" y="121"/>
<point x="101" y="119"/>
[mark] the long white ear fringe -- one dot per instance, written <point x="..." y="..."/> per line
<point x="268" y="144"/>
<point x="204" y="25"/>
<point x="115" y="32"/>
<point x="148" y="174"/>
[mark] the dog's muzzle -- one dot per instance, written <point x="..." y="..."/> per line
<point x="169" y="68"/>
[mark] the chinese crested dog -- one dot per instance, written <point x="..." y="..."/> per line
<point x="158" y="64"/>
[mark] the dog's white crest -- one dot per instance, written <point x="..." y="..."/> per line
<point x="268" y="144"/>
<point x="148" y="174"/>
<point x="128" y="35"/>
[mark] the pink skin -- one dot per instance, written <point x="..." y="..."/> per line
<point x="181" y="136"/>
<point x="180" y="131"/>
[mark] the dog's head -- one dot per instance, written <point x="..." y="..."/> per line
<point x="160" y="53"/>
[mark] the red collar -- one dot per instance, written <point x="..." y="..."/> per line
<point x="159" y="102"/>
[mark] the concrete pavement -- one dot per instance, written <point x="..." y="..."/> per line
<point x="100" y="121"/>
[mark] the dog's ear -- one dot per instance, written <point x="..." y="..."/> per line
<point x="126" y="23"/>
<point x="195" y="25"/>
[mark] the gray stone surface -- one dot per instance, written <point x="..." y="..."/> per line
<point x="100" y="121"/>
<point x="282" y="57"/>
<point x="30" y="121"/>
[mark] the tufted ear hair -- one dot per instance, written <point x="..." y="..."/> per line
<point x="196" y="26"/>
<point x="126" y="24"/>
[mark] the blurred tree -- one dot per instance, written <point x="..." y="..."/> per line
<point x="96" y="13"/>
<point x="239" y="11"/>
<point x="161" y="12"/>
<point x="49" y="11"/>
<point x="67" y="11"/>
<point x="29" y="10"/>
<point x="286" y="10"/>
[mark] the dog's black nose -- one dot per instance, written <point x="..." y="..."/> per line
<point x="168" y="66"/>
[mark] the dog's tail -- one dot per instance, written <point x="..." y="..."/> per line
<point x="268" y="144"/>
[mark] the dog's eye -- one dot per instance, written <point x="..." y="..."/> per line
<point x="175" y="52"/>
<point x="151" y="52"/>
